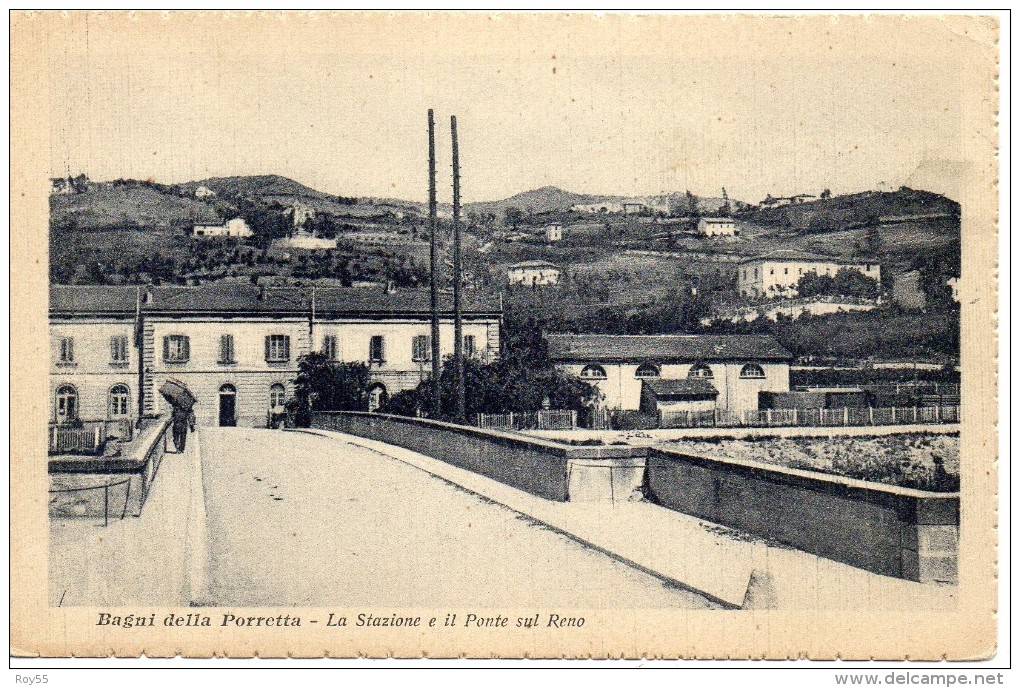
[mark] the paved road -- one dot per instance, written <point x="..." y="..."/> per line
<point x="299" y="520"/>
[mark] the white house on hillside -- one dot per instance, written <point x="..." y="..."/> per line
<point x="204" y="192"/>
<point x="718" y="226"/>
<point x="231" y="228"/>
<point x="533" y="273"/>
<point x="553" y="232"/>
<point x="778" y="274"/>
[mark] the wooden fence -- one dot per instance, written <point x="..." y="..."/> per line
<point x="528" y="420"/>
<point x="89" y="436"/>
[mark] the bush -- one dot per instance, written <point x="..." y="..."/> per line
<point x="635" y="420"/>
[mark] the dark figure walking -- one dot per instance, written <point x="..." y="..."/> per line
<point x="183" y="419"/>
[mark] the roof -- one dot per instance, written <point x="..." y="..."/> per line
<point x="673" y="347"/>
<point x="242" y="298"/>
<point x="805" y="257"/>
<point x="717" y="219"/>
<point x="681" y="388"/>
<point x="533" y="264"/>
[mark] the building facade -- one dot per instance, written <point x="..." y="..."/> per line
<point x="777" y="276"/>
<point x="718" y="226"/>
<point x="237" y="347"/>
<point x="737" y="367"/>
<point x="231" y="228"/>
<point x="533" y="273"/>
<point x="553" y="232"/>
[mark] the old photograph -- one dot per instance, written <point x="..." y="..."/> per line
<point x="555" y="335"/>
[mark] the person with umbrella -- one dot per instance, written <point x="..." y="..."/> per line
<point x="182" y="420"/>
<point x="182" y="415"/>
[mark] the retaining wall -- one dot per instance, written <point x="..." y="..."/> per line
<point x="544" y="468"/>
<point x="889" y="530"/>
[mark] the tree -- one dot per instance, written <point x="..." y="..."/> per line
<point x="513" y="216"/>
<point x="850" y="282"/>
<point x="324" y="385"/>
<point x="813" y="284"/>
<point x="825" y="195"/>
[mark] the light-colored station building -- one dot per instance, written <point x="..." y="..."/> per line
<point x="231" y="228"/>
<point x="534" y="273"/>
<point x="737" y="367"/>
<point x="777" y="275"/>
<point x="718" y="226"/>
<point x="236" y="346"/>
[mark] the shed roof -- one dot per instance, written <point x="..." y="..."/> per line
<point x="664" y="389"/>
<point x="674" y="347"/>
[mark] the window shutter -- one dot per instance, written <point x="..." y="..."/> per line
<point x="382" y="349"/>
<point x="114" y="349"/>
<point x="166" y="348"/>
<point x="286" y="348"/>
<point x="268" y="338"/>
<point x="70" y="348"/>
<point x="186" y="342"/>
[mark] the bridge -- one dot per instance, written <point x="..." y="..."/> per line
<point x="376" y="511"/>
<point x="251" y="517"/>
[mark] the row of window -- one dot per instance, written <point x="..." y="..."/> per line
<point x="118" y="350"/>
<point x="786" y="271"/>
<point x="119" y="401"/>
<point x="177" y="349"/>
<point x="699" y="371"/>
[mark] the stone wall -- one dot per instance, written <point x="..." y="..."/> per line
<point x="547" y="469"/>
<point x="889" y="530"/>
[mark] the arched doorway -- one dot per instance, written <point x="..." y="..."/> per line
<point x="66" y="404"/>
<point x="377" y="396"/>
<point x="228" y="406"/>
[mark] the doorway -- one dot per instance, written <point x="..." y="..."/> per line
<point x="228" y="406"/>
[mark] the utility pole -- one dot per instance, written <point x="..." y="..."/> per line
<point x="458" y="278"/>
<point x="434" y="264"/>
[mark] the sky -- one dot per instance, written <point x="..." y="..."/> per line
<point x="603" y="105"/>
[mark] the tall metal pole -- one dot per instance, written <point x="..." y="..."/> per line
<point x="434" y="264"/>
<point x="458" y="278"/>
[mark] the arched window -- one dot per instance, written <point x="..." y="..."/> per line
<point x="277" y="396"/>
<point x="700" y="371"/>
<point x="593" y="372"/>
<point x="67" y="404"/>
<point x="120" y="401"/>
<point x="646" y="370"/>
<point x="752" y="371"/>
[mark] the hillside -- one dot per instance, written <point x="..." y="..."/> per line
<point x="856" y="210"/>
<point x="109" y="206"/>
<point x="544" y="200"/>
<point x="551" y="199"/>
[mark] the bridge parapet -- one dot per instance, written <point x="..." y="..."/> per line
<point x="552" y="470"/>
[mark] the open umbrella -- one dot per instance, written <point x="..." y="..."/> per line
<point x="178" y="394"/>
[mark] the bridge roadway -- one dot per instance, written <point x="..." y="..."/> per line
<point x="300" y="520"/>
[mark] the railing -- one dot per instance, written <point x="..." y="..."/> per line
<point x="813" y="417"/>
<point x="528" y="420"/>
<point x="74" y="502"/>
<point x="88" y="436"/>
<point x="841" y="417"/>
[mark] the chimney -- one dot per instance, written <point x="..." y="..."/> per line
<point x="147" y="299"/>
<point x="391" y="287"/>
<point x="262" y="293"/>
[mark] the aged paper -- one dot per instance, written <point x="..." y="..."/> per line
<point x="238" y="204"/>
